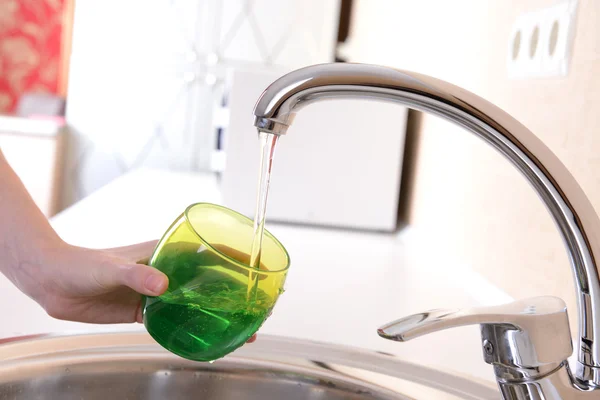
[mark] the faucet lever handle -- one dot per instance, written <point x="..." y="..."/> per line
<point x="523" y="334"/>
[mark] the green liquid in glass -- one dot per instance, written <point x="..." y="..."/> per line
<point x="205" y="313"/>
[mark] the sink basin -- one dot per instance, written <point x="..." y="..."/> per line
<point x="132" y="366"/>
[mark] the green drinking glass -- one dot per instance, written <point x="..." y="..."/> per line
<point x="215" y="300"/>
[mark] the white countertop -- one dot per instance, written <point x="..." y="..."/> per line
<point x="341" y="285"/>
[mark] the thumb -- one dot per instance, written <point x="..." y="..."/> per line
<point x="139" y="277"/>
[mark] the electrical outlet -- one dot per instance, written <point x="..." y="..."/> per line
<point x="541" y="42"/>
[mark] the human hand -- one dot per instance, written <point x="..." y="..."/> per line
<point x="88" y="285"/>
<point x="71" y="283"/>
<point x="94" y="286"/>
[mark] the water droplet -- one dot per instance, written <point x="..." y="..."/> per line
<point x="67" y="370"/>
<point x="211" y="362"/>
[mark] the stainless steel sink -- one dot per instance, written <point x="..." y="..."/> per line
<point x="131" y="366"/>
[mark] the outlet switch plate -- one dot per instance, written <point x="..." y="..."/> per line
<point x="540" y="44"/>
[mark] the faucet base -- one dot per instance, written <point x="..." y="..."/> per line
<point x="555" y="386"/>
<point x="587" y="375"/>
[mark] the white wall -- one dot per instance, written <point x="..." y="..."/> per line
<point x="145" y="76"/>
<point x="470" y="202"/>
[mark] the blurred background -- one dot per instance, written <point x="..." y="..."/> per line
<point x="149" y="97"/>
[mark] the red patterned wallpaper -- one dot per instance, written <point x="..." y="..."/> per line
<point x="30" y="48"/>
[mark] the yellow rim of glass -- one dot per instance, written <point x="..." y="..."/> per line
<point x="225" y="256"/>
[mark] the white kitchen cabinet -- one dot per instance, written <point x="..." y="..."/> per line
<point x="33" y="148"/>
<point x="339" y="165"/>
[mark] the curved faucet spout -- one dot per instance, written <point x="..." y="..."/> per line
<point x="564" y="198"/>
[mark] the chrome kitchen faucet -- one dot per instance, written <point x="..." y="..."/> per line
<point x="528" y="342"/>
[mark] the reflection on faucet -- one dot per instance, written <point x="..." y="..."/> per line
<point x="571" y="210"/>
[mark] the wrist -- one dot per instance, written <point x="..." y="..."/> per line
<point x="30" y="264"/>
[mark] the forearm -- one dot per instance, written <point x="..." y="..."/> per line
<point x="70" y="282"/>
<point x="24" y="230"/>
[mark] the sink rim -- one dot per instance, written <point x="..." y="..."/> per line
<point x="24" y="350"/>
